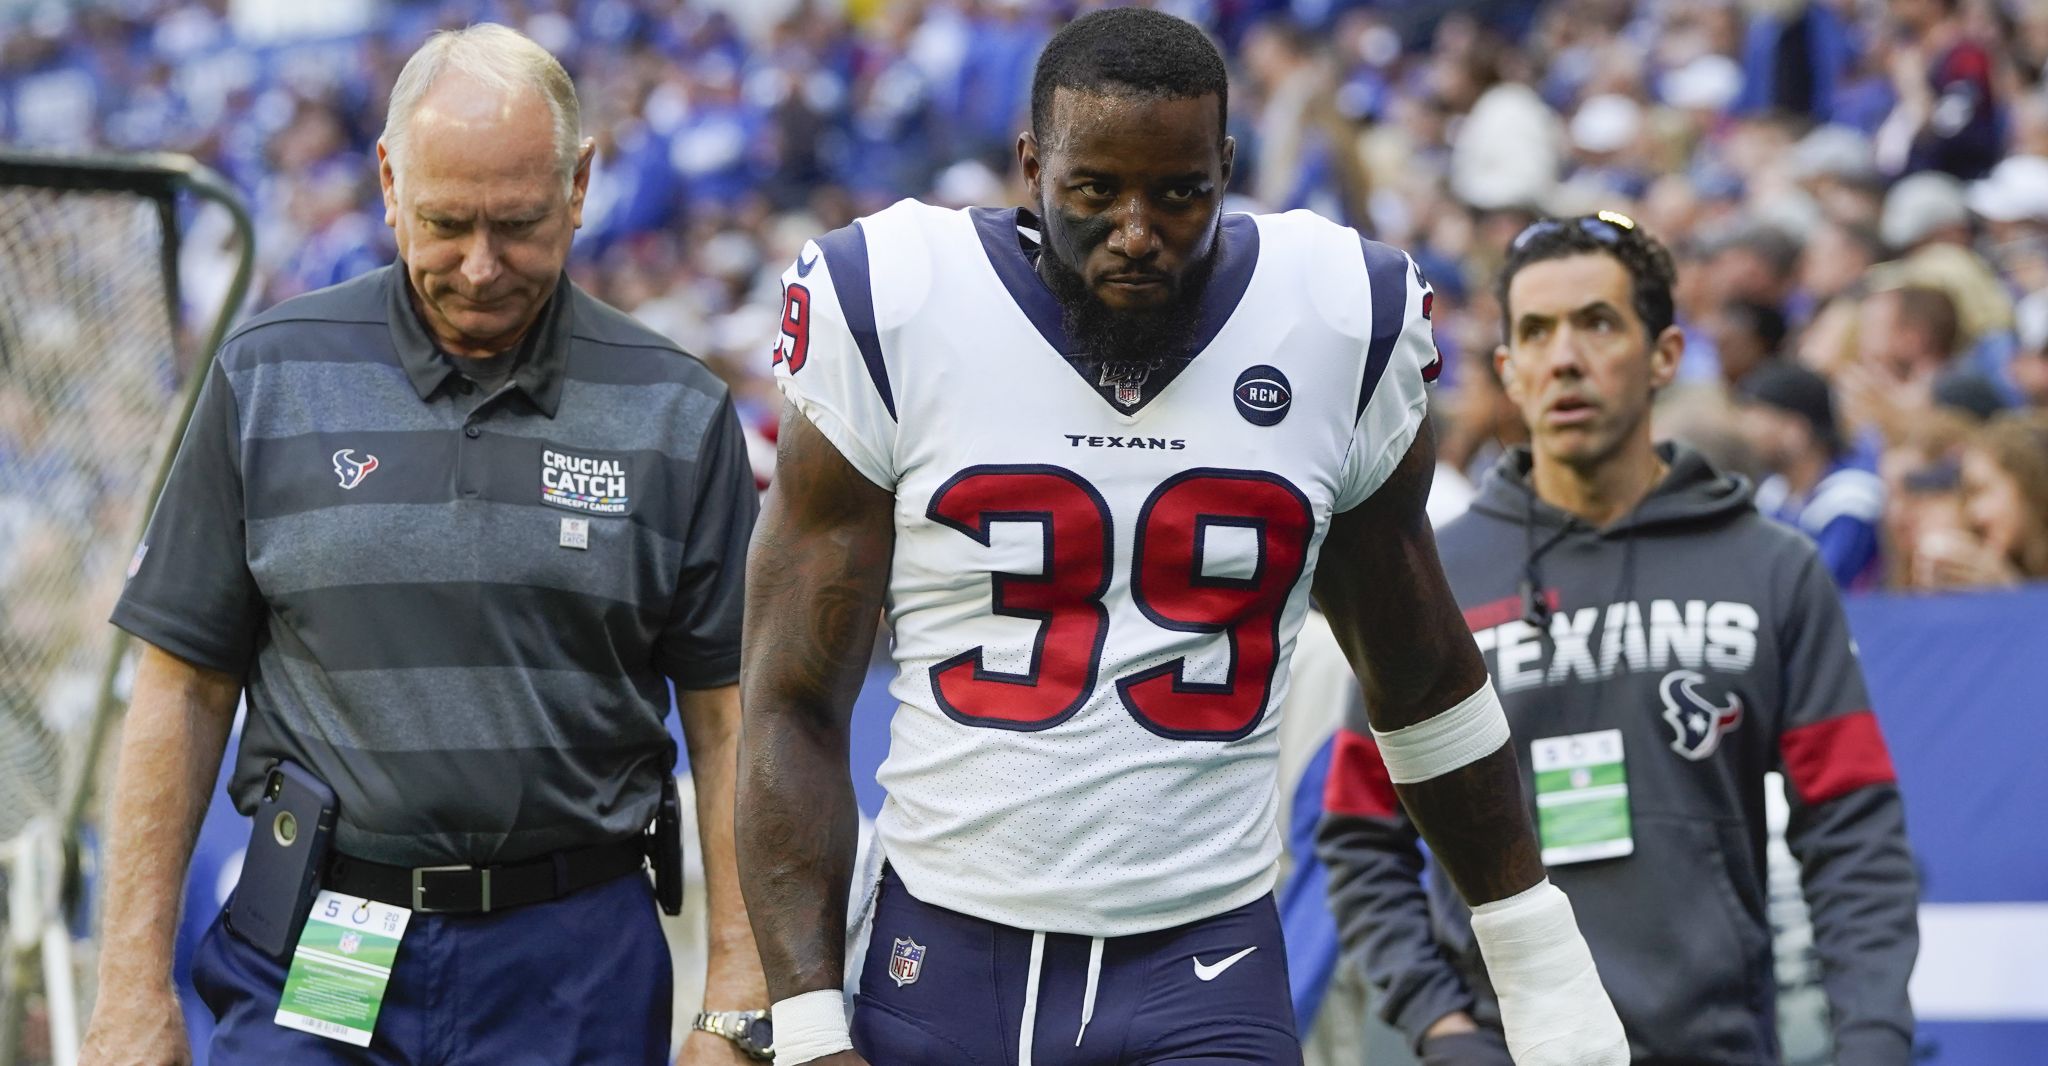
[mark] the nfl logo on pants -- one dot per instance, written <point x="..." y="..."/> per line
<point x="905" y="961"/>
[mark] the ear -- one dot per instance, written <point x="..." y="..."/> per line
<point x="579" y="183"/>
<point x="1504" y="365"/>
<point x="1027" y="158"/>
<point x="1665" y="356"/>
<point x="1229" y="161"/>
<point x="387" y="180"/>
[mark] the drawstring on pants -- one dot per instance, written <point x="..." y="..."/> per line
<point x="1088" y="997"/>
<point x="1031" y="999"/>
<point x="1031" y="980"/>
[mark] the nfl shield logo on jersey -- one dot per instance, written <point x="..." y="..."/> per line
<point x="906" y="961"/>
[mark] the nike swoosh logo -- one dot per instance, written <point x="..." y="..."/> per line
<point x="1210" y="973"/>
<point x="803" y="266"/>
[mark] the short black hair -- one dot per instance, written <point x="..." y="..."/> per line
<point x="1650" y="269"/>
<point x="1132" y="51"/>
<point x="1759" y="320"/>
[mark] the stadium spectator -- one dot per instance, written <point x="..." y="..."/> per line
<point x="1756" y="262"/>
<point x="2013" y="200"/>
<point x="1926" y="222"/>
<point x="1581" y="568"/>
<point x="1836" y="166"/>
<point x="2029" y="367"/>
<point x="1946" y="118"/>
<point x="1922" y="482"/>
<point x="1788" y="417"/>
<point x="2003" y="536"/>
<point x="1796" y="54"/>
<point x="1906" y="362"/>
<point x="1746" y="335"/>
<point x="467" y="634"/>
<point x="1835" y="258"/>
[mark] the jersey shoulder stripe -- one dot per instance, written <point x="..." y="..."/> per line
<point x="1386" y="274"/>
<point x="846" y="256"/>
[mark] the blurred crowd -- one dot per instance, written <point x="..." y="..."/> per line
<point x="1855" y="191"/>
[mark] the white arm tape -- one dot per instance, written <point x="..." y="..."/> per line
<point x="810" y="1026"/>
<point x="1551" y="1000"/>
<point x="1465" y="733"/>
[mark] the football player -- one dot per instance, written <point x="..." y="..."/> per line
<point x="1092" y="459"/>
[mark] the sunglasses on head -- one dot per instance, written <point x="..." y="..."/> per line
<point x="1607" y="227"/>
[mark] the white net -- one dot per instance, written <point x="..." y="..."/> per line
<point x="89" y="379"/>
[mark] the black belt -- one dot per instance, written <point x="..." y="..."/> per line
<point x="483" y="889"/>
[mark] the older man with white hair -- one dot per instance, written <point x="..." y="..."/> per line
<point x="453" y="528"/>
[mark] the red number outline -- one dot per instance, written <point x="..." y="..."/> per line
<point x="796" y="325"/>
<point x="958" y="684"/>
<point x="1283" y="555"/>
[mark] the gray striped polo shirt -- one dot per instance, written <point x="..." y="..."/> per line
<point x="458" y="610"/>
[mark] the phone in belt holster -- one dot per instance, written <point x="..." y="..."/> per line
<point x="291" y="829"/>
<point x="665" y="845"/>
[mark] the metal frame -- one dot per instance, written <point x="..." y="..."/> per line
<point x="46" y="861"/>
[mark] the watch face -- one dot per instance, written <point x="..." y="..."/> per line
<point x="761" y="1034"/>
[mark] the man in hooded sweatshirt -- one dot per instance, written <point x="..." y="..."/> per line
<point x="1660" y="646"/>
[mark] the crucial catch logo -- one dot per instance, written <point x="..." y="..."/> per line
<point x="1262" y="395"/>
<point x="591" y="484"/>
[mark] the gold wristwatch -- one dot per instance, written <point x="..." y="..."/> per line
<point x="750" y="1030"/>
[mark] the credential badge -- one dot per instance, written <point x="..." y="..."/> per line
<point x="906" y="961"/>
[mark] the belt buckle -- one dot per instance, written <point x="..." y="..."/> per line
<point x="419" y="887"/>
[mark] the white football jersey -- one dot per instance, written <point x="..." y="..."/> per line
<point x="1092" y="607"/>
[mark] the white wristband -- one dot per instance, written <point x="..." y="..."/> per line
<point x="810" y="1026"/>
<point x="1465" y="733"/>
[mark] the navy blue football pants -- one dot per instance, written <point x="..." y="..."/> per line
<point x="1188" y="996"/>
<point x="582" y="979"/>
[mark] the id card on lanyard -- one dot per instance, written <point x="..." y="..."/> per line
<point x="1582" y="797"/>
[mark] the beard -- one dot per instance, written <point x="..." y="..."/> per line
<point x="1149" y="336"/>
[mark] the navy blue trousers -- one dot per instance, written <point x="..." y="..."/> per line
<point x="1189" y="996"/>
<point x="582" y="979"/>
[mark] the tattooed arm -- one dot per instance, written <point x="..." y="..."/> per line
<point x="1393" y="613"/>
<point x="816" y="577"/>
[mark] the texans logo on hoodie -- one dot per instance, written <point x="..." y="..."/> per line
<point x="1697" y="721"/>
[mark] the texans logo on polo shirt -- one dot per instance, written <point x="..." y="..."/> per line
<point x="352" y="470"/>
<point x="590" y="483"/>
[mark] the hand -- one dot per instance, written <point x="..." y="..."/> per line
<point x="707" y="1049"/>
<point x="1451" y="1024"/>
<point x="1905" y="67"/>
<point x="132" y="1028"/>
<point x="1952" y="558"/>
<point x="1465" y="1047"/>
<point x="1872" y="397"/>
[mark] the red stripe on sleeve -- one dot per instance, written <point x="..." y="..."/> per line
<point x="1836" y="757"/>
<point x="1506" y="609"/>
<point x="1358" y="783"/>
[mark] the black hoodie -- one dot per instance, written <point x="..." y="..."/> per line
<point x="1713" y="640"/>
